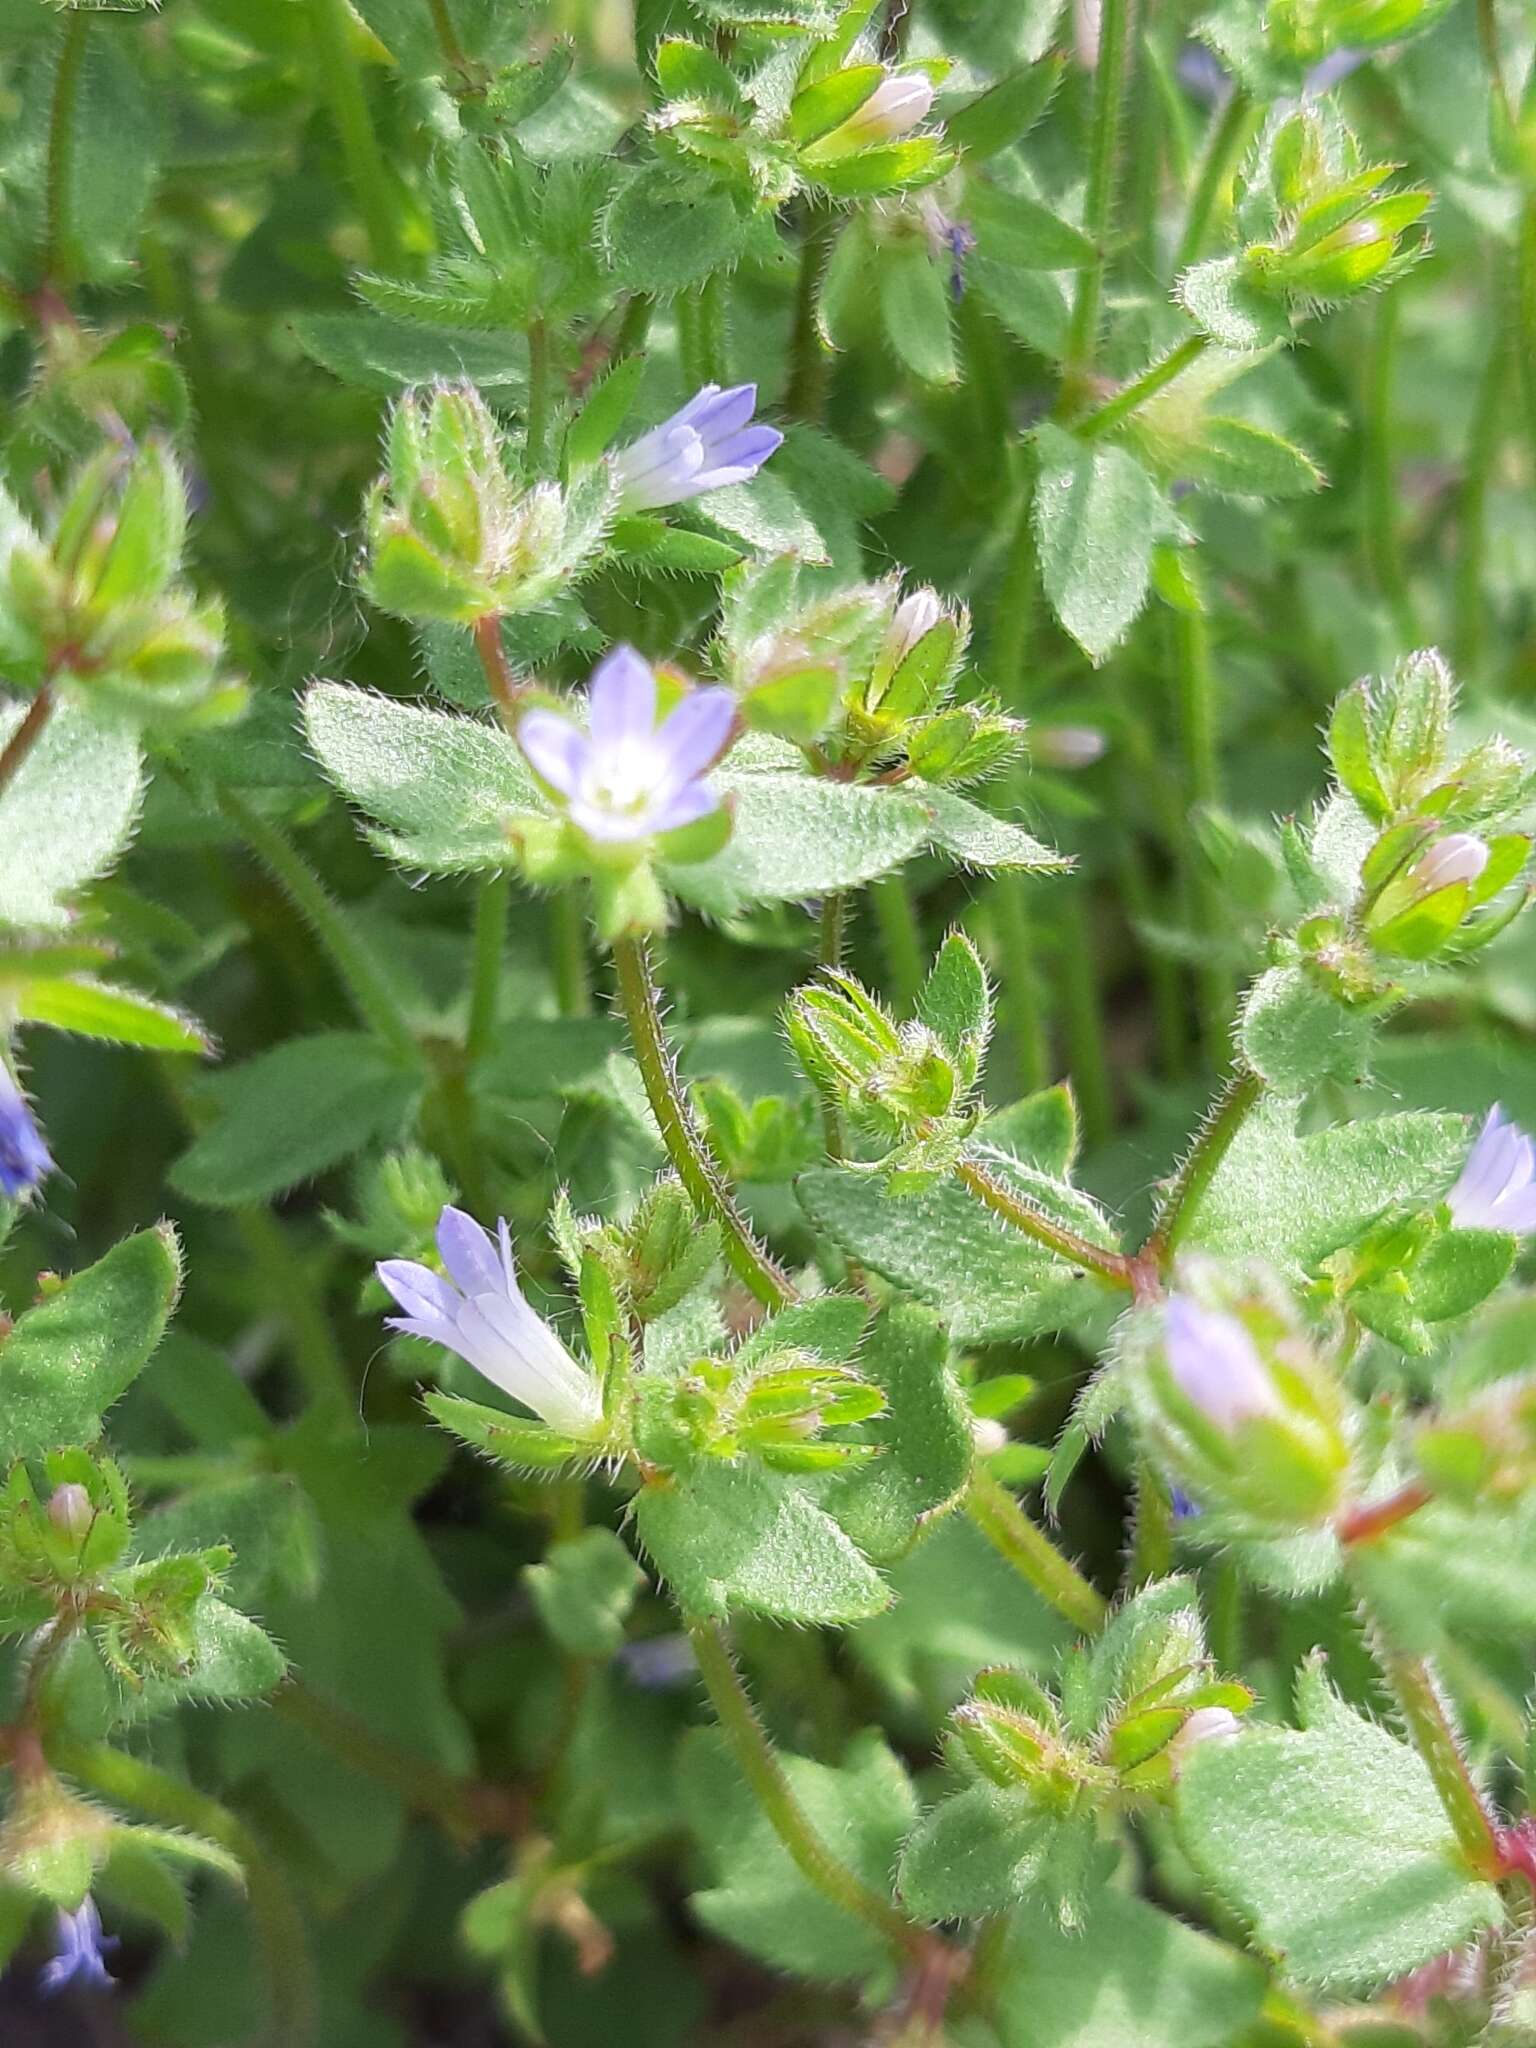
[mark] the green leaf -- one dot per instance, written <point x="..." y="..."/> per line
<point x="978" y="1852"/>
<point x="109" y="172"/>
<point x="915" y="307"/>
<point x="1332" y="1842"/>
<point x="1450" y="1576"/>
<point x="955" y="1002"/>
<point x="1235" y="316"/>
<point x="1248" y="461"/>
<point x="728" y="1535"/>
<point x="977" y="839"/>
<point x="663" y="232"/>
<point x="1041" y="1128"/>
<point x="1293" y="1200"/>
<point x="863" y="1806"/>
<point x="444" y="786"/>
<point x="924" y="1437"/>
<point x="95" y="1009"/>
<point x="1006" y="112"/>
<point x="603" y="413"/>
<point x="378" y="352"/>
<point x="232" y="1658"/>
<point x="67" y="1360"/>
<point x="67" y="813"/>
<point x="1016" y="231"/>
<point x="1297" y="1035"/>
<point x="1128" y="1974"/>
<point x="988" y="1281"/>
<point x="584" y="1591"/>
<point x="292" y="1112"/>
<point x="797" y="836"/>
<point x="886" y="167"/>
<point x="1097" y="516"/>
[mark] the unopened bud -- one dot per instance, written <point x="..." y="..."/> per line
<point x="913" y="617"/>
<point x="1216" y="1364"/>
<point x="1458" y="858"/>
<point x="1205" y="1724"/>
<point x="895" y="107"/>
<point x="70" y="1510"/>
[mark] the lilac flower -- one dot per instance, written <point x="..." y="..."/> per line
<point x="712" y="442"/>
<point x="1497" y="1188"/>
<point x="478" y="1311"/>
<point x="24" y="1159"/>
<point x="625" y="777"/>
<point x="1216" y="1365"/>
<point x="80" y="1954"/>
<point x="658" y="1663"/>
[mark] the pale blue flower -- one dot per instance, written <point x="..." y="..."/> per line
<point x="1216" y="1364"/>
<point x="713" y="441"/>
<point x="476" y="1308"/>
<point x="1497" y="1188"/>
<point x="626" y="777"/>
<point x="80" y="1951"/>
<point x="24" y="1159"/>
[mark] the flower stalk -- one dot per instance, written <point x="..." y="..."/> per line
<point x="1033" y="1555"/>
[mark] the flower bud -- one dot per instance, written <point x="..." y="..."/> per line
<point x="24" y="1158"/>
<point x="1010" y="1731"/>
<point x="1419" y="897"/>
<point x="70" y="1510"/>
<point x="1205" y="1724"/>
<point x="917" y="614"/>
<point x="1241" y="1413"/>
<point x="898" y="104"/>
<point x="1067" y="746"/>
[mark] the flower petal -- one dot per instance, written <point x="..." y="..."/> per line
<point x="557" y="749"/>
<point x="417" y="1289"/>
<point x="468" y="1252"/>
<point x="694" y="800"/>
<point x="622" y="700"/>
<point x="693" y="734"/>
<point x="723" y="413"/>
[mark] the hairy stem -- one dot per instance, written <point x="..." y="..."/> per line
<point x="540" y="406"/>
<point x="358" y="971"/>
<point x="1225" y="1119"/>
<point x="454" y="56"/>
<point x="901" y="939"/>
<point x="1135" y="394"/>
<point x="1114" y="1269"/>
<point x="696" y="1166"/>
<point x="1381" y="528"/>
<point x="1226" y="143"/>
<point x="285" y="1277"/>
<point x="1033" y="1555"/>
<point x="27" y="734"/>
<point x="490" y="934"/>
<point x="1425" y="1716"/>
<point x="61" y="146"/>
<point x="831" y="944"/>
<point x="765" y="1775"/>
<point x="805" y="395"/>
<point x="367" y="173"/>
<point x="281" y="1934"/>
<point x="1109" y="91"/>
<point x="1082" y="1015"/>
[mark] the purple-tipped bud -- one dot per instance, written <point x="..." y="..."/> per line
<point x="1459" y="857"/>
<point x="1216" y="1364"/>
<point x="476" y="1308"/>
<point x="70" y="1510"/>
<point x="1497" y="1187"/>
<point x="80" y="1952"/>
<point x="713" y="441"/>
<point x="24" y="1158"/>
<point x="626" y="778"/>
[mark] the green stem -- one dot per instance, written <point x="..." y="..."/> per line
<point x="1152" y="1532"/>
<point x="1033" y="1555"/>
<point x="1111" y="1268"/>
<point x="568" y="943"/>
<point x="765" y="1775"/>
<point x="61" y="147"/>
<point x="462" y="1807"/>
<point x="540" y="405"/>
<point x="634" y="326"/>
<point x="1430" y="1730"/>
<point x="831" y="944"/>
<point x="1082" y="1016"/>
<point x="285" y="1278"/>
<point x="805" y="395"/>
<point x="1381" y="494"/>
<point x="696" y="1166"/>
<point x="454" y="56"/>
<point x="1226" y="1117"/>
<point x="1013" y="936"/>
<point x="367" y="173"/>
<point x="1227" y="140"/>
<point x="1482" y="448"/>
<point x="704" y="331"/>
<point x="26" y="736"/>
<point x="485" y="980"/>
<point x="1109" y="85"/>
<point x="1202" y="791"/>
<point x="1135" y="394"/>
<point x="281" y="1933"/>
<point x="356" y="968"/>
<point x="901" y="939"/>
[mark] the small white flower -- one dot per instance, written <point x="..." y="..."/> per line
<point x="1497" y="1187"/>
<point x="476" y="1308"/>
<point x="914" y="617"/>
<point x="1216" y="1364"/>
<point x="1205" y="1724"/>
<point x="895" y="106"/>
<point x="1067" y="746"/>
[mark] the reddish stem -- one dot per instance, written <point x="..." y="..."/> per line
<point x="1367" y="1520"/>
<point x="503" y="685"/>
